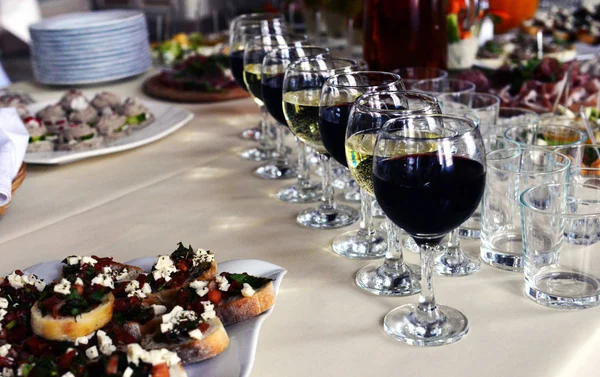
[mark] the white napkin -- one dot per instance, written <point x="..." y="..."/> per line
<point x="17" y="15"/>
<point x="13" y="144"/>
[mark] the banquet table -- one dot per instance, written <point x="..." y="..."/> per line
<point x="193" y="187"/>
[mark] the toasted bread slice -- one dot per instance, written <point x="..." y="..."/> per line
<point x="71" y="328"/>
<point x="213" y="342"/>
<point x="239" y="308"/>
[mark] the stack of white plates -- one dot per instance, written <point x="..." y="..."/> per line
<point x="90" y="47"/>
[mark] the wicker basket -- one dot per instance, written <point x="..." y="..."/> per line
<point x="15" y="185"/>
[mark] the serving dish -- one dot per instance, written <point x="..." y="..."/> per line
<point x="238" y="358"/>
<point x="168" y="119"/>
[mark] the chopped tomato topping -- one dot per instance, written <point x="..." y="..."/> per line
<point x="112" y="367"/>
<point x="215" y="297"/>
<point x="8" y="362"/>
<point x="203" y="327"/>
<point x="160" y="370"/>
<point x="65" y="361"/>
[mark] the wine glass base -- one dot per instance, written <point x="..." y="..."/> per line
<point x="274" y="171"/>
<point x="446" y="265"/>
<point x="469" y="233"/>
<point x="258" y="154"/>
<point x="374" y="279"/>
<point x="338" y="217"/>
<point x="403" y="324"/>
<point x="471" y="228"/>
<point x="410" y="244"/>
<point x="253" y="134"/>
<point x="296" y="194"/>
<point x="357" y="245"/>
<point x="376" y="211"/>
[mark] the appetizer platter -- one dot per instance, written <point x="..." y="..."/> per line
<point x="148" y="317"/>
<point x="196" y="79"/>
<point x="182" y="46"/>
<point x="76" y="128"/>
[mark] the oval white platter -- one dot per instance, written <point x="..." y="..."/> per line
<point x="168" y="119"/>
<point x="238" y="358"/>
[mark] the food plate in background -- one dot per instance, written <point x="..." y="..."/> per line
<point x="238" y="358"/>
<point x="168" y="119"/>
<point x="153" y="87"/>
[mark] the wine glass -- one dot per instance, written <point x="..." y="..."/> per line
<point x="337" y="97"/>
<point x="265" y="150"/>
<point x="436" y="87"/>
<point x="244" y="20"/>
<point x="428" y="177"/>
<point x="368" y="115"/>
<point x="274" y="65"/>
<point x="254" y="52"/>
<point x="302" y="86"/>
<point x="410" y="75"/>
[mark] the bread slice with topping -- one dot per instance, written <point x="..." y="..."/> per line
<point x="68" y="311"/>
<point x="237" y="297"/>
<point x="195" y="337"/>
<point x="172" y="272"/>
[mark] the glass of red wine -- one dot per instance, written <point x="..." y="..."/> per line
<point x="392" y="277"/>
<point x="273" y="69"/>
<point x="302" y="85"/>
<point x="428" y="177"/>
<point x="238" y="40"/>
<point x="255" y="50"/>
<point x="337" y="98"/>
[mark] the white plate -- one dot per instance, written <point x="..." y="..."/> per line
<point x="79" y="21"/>
<point x="238" y="358"/>
<point x="168" y="119"/>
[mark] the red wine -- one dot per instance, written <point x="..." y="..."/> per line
<point x="428" y="194"/>
<point x="236" y="62"/>
<point x="333" y="121"/>
<point x="272" y="92"/>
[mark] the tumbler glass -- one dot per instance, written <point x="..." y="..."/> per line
<point x="510" y="172"/>
<point x="561" y="231"/>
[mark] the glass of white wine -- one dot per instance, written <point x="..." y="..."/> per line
<point x="302" y="87"/>
<point x="370" y="112"/>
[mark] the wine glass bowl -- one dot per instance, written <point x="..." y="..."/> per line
<point x="428" y="177"/>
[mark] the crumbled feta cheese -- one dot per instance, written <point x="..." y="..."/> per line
<point x="195" y="334"/>
<point x="40" y="285"/>
<point x="4" y="350"/>
<point x="201" y="256"/>
<point x="127" y="275"/>
<point x="21" y="370"/>
<point x="209" y="310"/>
<point x="104" y="280"/>
<point x="64" y="287"/>
<point x="105" y="343"/>
<point x="71" y="261"/>
<point x="68" y="374"/>
<point x="107" y="270"/>
<point x="15" y="281"/>
<point x="88" y="260"/>
<point x="81" y="340"/>
<point x="166" y="327"/>
<point x="135" y="354"/>
<point x="78" y="281"/>
<point x="146" y="288"/>
<point x="3" y="303"/>
<point x="159" y="309"/>
<point x="128" y="372"/>
<point x="223" y="283"/>
<point x="132" y="286"/>
<point x="79" y="103"/>
<point x="92" y="352"/>
<point x="163" y="268"/>
<point x="18" y="281"/>
<point x="8" y="372"/>
<point x="247" y="290"/>
<point x="201" y="287"/>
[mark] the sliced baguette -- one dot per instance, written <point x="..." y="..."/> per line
<point x="214" y="342"/>
<point x="239" y="308"/>
<point x="71" y="328"/>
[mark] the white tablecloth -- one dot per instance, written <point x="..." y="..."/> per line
<point x="192" y="187"/>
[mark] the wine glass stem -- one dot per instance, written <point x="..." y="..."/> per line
<point x="427" y="309"/>
<point x="303" y="165"/>
<point x="266" y="141"/>
<point x="394" y="258"/>
<point x="454" y="253"/>
<point x="327" y="200"/>
<point x="366" y="218"/>
<point x="281" y="155"/>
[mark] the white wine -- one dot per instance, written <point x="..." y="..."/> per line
<point x="252" y="81"/>
<point x="359" y="154"/>
<point x="301" y="110"/>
